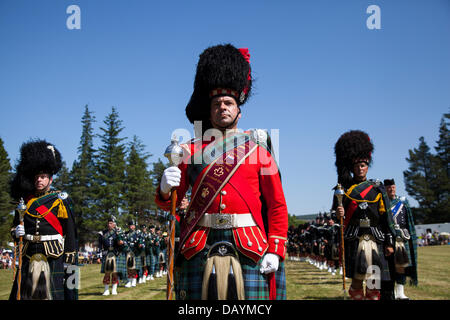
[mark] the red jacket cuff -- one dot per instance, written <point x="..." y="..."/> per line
<point x="277" y="245"/>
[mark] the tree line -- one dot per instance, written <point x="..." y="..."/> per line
<point x="114" y="178"/>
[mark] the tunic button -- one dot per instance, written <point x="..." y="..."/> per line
<point x="192" y="241"/>
<point x="224" y="193"/>
<point x="264" y="241"/>
<point x="259" y="249"/>
<point x="249" y="243"/>
<point x="277" y="241"/>
<point x="223" y="206"/>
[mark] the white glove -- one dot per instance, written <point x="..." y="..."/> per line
<point x="20" y="231"/>
<point x="270" y="263"/>
<point x="170" y="179"/>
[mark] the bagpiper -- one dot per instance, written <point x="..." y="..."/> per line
<point x="135" y="246"/>
<point x="236" y="224"/>
<point x="368" y="226"/>
<point x="47" y="227"/>
<point x="109" y="244"/>
<point x="405" y="257"/>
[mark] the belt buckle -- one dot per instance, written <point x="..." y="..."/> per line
<point x="36" y="238"/>
<point x="364" y="223"/>
<point x="222" y="221"/>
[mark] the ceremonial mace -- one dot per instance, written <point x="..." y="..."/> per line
<point x="174" y="153"/>
<point x="339" y="193"/>
<point x="21" y="208"/>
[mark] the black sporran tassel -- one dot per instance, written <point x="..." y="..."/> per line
<point x="401" y="257"/>
<point x="26" y="287"/>
<point x="376" y="260"/>
<point x="361" y="263"/>
<point x="40" y="293"/>
<point x="130" y="263"/>
<point x="232" y="289"/>
<point x="212" y="286"/>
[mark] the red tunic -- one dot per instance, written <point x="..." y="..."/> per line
<point x="257" y="176"/>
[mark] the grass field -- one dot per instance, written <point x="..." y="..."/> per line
<point x="304" y="281"/>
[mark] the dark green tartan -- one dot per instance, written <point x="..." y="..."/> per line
<point x="189" y="279"/>
<point x="411" y="244"/>
<point x="122" y="265"/>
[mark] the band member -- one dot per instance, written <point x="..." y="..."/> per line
<point x="368" y="226"/>
<point x="405" y="257"/>
<point x="234" y="234"/>
<point x="109" y="244"/>
<point x="135" y="246"/>
<point x="48" y="230"/>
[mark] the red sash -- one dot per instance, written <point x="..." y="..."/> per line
<point x="42" y="209"/>
<point x="212" y="179"/>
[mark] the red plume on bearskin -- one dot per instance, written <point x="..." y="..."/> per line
<point x="351" y="146"/>
<point x="220" y="66"/>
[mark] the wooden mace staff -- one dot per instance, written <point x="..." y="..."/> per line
<point x="339" y="193"/>
<point x="174" y="153"/>
<point x="21" y="208"/>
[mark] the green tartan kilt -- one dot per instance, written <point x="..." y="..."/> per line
<point x="122" y="265"/>
<point x="148" y="260"/>
<point x="188" y="284"/>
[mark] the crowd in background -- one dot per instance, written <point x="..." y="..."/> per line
<point x="433" y="238"/>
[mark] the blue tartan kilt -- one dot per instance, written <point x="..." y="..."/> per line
<point x="189" y="277"/>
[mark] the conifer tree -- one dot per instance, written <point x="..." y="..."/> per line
<point x="110" y="165"/>
<point x="139" y="193"/>
<point x="6" y="206"/>
<point x="82" y="183"/>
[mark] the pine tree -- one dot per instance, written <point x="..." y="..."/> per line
<point x="82" y="183"/>
<point x="156" y="175"/>
<point x="6" y="207"/>
<point x="443" y="175"/>
<point x="110" y="166"/>
<point x="419" y="175"/>
<point x="139" y="188"/>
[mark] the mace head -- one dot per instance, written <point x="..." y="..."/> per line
<point x="21" y="207"/>
<point x="339" y="193"/>
<point x="174" y="152"/>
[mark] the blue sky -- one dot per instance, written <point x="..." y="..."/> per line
<point x="319" y="72"/>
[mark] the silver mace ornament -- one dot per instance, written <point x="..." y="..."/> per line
<point x="339" y="193"/>
<point x="174" y="153"/>
<point x="21" y="208"/>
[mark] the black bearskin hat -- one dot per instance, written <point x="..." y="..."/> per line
<point x="221" y="67"/>
<point x="36" y="157"/>
<point x="351" y="146"/>
<point x="388" y="182"/>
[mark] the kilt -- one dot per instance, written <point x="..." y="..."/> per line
<point x="122" y="265"/>
<point x="56" y="275"/>
<point x="188" y="284"/>
<point x="351" y="249"/>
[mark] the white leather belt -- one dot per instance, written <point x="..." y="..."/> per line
<point x="37" y="237"/>
<point x="227" y="220"/>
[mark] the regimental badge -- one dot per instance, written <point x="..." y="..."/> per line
<point x="205" y="192"/>
<point x="218" y="171"/>
<point x="363" y="205"/>
<point x="63" y="195"/>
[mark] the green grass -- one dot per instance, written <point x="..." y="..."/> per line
<point x="304" y="281"/>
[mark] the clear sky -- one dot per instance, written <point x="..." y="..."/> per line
<point x="319" y="71"/>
